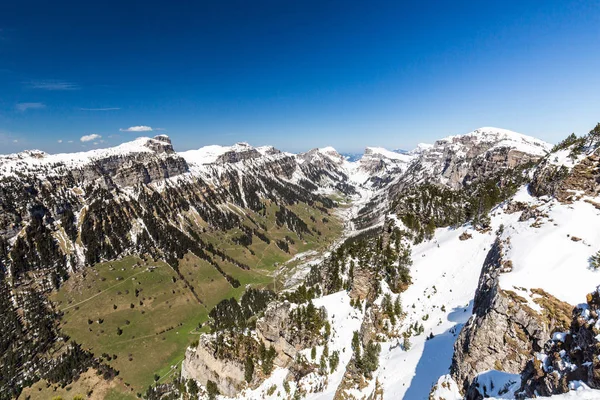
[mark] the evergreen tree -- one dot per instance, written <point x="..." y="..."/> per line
<point x="192" y="388"/>
<point x="267" y="362"/>
<point x="334" y="360"/>
<point x="356" y="345"/>
<point x="249" y="369"/>
<point x="595" y="260"/>
<point x="212" y="390"/>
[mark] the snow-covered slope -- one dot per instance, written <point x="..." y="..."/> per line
<point x="550" y="252"/>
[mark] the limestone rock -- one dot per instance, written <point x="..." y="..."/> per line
<point x="502" y="334"/>
<point x="201" y="365"/>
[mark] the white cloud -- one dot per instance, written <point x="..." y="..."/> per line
<point x="70" y="141"/>
<point x="15" y="141"/>
<point x="59" y="140"/>
<point x="53" y="85"/>
<point x="139" y="128"/>
<point x="89" y="138"/>
<point x="29" y="106"/>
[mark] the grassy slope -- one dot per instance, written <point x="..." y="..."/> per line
<point x="159" y="331"/>
<point x="88" y="383"/>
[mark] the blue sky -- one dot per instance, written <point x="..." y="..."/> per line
<point x="295" y="75"/>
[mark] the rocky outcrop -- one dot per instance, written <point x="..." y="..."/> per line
<point x="201" y="365"/>
<point x="363" y="284"/>
<point x="502" y="334"/>
<point x="567" y="183"/>
<point x="277" y="329"/>
<point x="220" y="357"/>
<point x="569" y="356"/>
<point x="272" y="329"/>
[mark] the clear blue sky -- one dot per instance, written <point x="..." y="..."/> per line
<point x="295" y="74"/>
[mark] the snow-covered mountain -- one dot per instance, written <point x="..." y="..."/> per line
<point x="457" y="160"/>
<point x="466" y="269"/>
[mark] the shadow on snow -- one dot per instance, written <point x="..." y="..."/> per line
<point x="437" y="356"/>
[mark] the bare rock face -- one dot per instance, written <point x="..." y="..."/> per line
<point x="242" y="152"/>
<point x="275" y="328"/>
<point x="271" y="329"/>
<point x="362" y="283"/>
<point x="201" y="365"/>
<point x="502" y="334"/>
<point x="126" y="171"/>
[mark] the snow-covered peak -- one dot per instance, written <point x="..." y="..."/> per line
<point x="322" y="154"/>
<point x="421" y="147"/>
<point x="39" y="161"/>
<point x="381" y="152"/>
<point x="497" y="137"/>
<point x="331" y="153"/>
<point x="474" y="155"/>
<point x="227" y="154"/>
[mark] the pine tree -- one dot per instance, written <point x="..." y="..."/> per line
<point x="595" y="260"/>
<point x="192" y="388"/>
<point x="212" y="390"/>
<point x="334" y="360"/>
<point x="356" y="346"/>
<point x="249" y="369"/>
<point x="594" y="135"/>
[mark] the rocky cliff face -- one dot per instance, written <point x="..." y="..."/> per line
<point x="568" y="356"/>
<point x="457" y="161"/>
<point x="201" y="365"/>
<point x="505" y="332"/>
<point x="502" y="334"/>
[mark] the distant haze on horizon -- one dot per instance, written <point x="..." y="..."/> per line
<point x="296" y="75"/>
